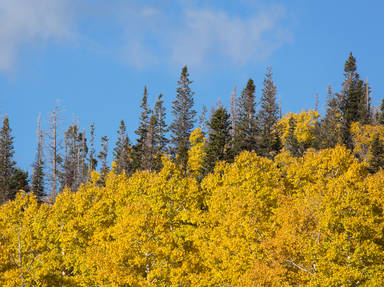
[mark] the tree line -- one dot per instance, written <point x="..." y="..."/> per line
<point x="249" y="124"/>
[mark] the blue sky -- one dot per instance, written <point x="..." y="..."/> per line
<point x="95" y="56"/>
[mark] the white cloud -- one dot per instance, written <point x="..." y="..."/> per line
<point x="199" y="35"/>
<point x="178" y="32"/>
<point x="28" y="22"/>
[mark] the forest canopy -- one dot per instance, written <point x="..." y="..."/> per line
<point x="246" y="197"/>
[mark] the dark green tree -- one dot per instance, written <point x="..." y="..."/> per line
<point x="268" y="115"/>
<point x="219" y="139"/>
<point x="150" y="148"/>
<point x="141" y="132"/>
<point x="184" y="119"/>
<point x="6" y="160"/>
<point x="246" y="127"/>
<point x="376" y="161"/>
<point x="160" y="132"/>
<point x="353" y="100"/>
<point x="19" y="181"/>
<point x="122" y="155"/>
<point x="38" y="167"/>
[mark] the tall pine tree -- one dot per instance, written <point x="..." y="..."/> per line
<point x="353" y="99"/>
<point x="184" y="120"/>
<point x="38" y="166"/>
<point x="19" y="181"/>
<point x="219" y="142"/>
<point x="142" y="132"/>
<point x="122" y="152"/>
<point x="246" y="131"/>
<point x="7" y="164"/>
<point x="268" y="115"/>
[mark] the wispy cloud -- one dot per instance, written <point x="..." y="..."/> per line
<point x="200" y="34"/>
<point x="27" y="22"/>
<point x="171" y="33"/>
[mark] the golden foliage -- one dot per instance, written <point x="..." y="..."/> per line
<point x="305" y="126"/>
<point x="311" y="221"/>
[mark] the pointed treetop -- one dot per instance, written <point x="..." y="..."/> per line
<point x="350" y="64"/>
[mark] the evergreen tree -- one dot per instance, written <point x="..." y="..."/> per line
<point x="19" y="181"/>
<point x="160" y="131"/>
<point x="291" y="143"/>
<point x="142" y="131"/>
<point x="352" y="99"/>
<point x="6" y="161"/>
<point x="150" y="148"/>
<point x="376" y="161"/>
<point x="246" y="127"/>
<point x="122" y="152"/>
<point x="183" y="122"/>
<point x="268" y="115"/>
<point x="219" y="143"/>
<point x="330" y="125"/>
<point x="38" y="166"/>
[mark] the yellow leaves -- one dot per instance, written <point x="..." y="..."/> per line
<point x="363" y="136"/>
<point x="317" y="220"/>
<point x="197" y="152"/>
<point x="305" y="126"/>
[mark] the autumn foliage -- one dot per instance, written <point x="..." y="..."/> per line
<point x="315" y="220"/>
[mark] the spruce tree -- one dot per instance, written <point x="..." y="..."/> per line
<point x="184" y="119"/>
<point x="376" y="161"/>
<point x="246" y="127"/>
<point x="330" y="132"/>
<point x="219" y="142"/>
<point x="122" y="151"/>
<point x="19" y="181"/>
<point x="160" y="132"/>
<point x="6" y="161"/>
<point x="142" y="131"/>
<point x="352" y="99"/>
<point x="150" y="148"/>
<point x="268" y="115"/>
<point x="38" y="167"/>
